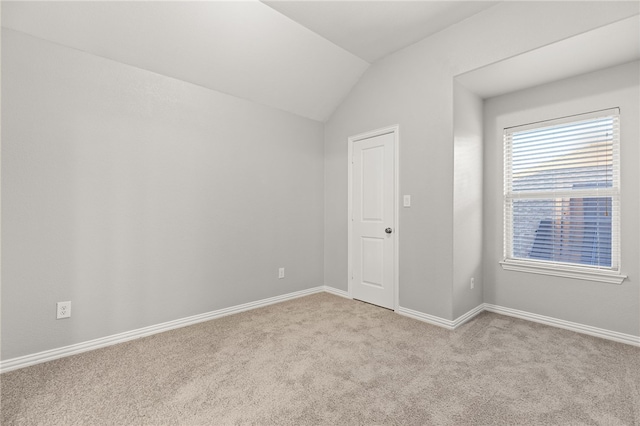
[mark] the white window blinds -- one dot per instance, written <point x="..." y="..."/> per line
<point x="561" y="191"/>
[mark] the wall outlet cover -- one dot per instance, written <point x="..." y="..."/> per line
<point x="63" y="310"/>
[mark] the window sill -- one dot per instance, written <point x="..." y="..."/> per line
<point x="563" y="271"/>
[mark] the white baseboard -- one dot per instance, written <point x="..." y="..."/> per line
<point x="336" y="291"/>
<point x="421" y="316"/>
<point x="553" y="322"/>
<point x="567" y="325"/>
<point x="442" y="322"/>
<point x="466" y="317"/>
<point x="40" y="357"/>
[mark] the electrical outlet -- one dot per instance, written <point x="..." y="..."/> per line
<point x="472" y="283"/>
<point x="281" y="273"/>
<point x="63" y="310"/>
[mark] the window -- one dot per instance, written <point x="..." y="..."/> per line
<point x="561" y="197"/>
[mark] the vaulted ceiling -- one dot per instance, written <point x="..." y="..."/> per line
<point x="302" y="56"/>
<point x="374" y="29"/>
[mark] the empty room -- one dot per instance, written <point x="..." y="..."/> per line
<point x="320" y="212"/>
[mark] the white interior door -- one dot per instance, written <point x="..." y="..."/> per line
<point x="372" y="248"/>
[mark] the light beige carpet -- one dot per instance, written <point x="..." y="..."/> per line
<point x="323" y="359"/>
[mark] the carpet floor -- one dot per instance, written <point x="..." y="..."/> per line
<point x="322" y="359"/>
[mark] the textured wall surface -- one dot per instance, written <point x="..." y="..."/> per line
<point x="143" y="199"/>
<point x="467" y="200"/>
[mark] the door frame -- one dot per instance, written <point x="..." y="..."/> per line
<point x="395" y="130"/>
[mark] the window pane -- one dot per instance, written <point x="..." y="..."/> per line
<point x="567" y="156"/>
<point x="561" y="182"/>
<point x="568" y="230"/>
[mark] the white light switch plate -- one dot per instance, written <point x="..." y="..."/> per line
<point x="406" y="202"/>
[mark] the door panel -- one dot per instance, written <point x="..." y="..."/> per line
<point x="372" y="180"/>
<point x="373" y="249"/>
<point x="372" y="255"/>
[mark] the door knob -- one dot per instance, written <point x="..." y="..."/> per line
<point x="388" y="230"/>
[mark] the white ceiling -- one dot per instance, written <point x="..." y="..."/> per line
<point x="298" y="56"/>
<point x="374" y="29"/>
<point x="305" y="63"/>
<point x="245" y="49"/>
<point x="600" y="48"/>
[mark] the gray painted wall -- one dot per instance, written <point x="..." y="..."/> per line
<point x="414" y="88"/>
<point x="608" y="306"/>
<point x="467" y="200"/>
<point x="144" y="199"/>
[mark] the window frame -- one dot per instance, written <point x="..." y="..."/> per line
<point x="611" y="274"/>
